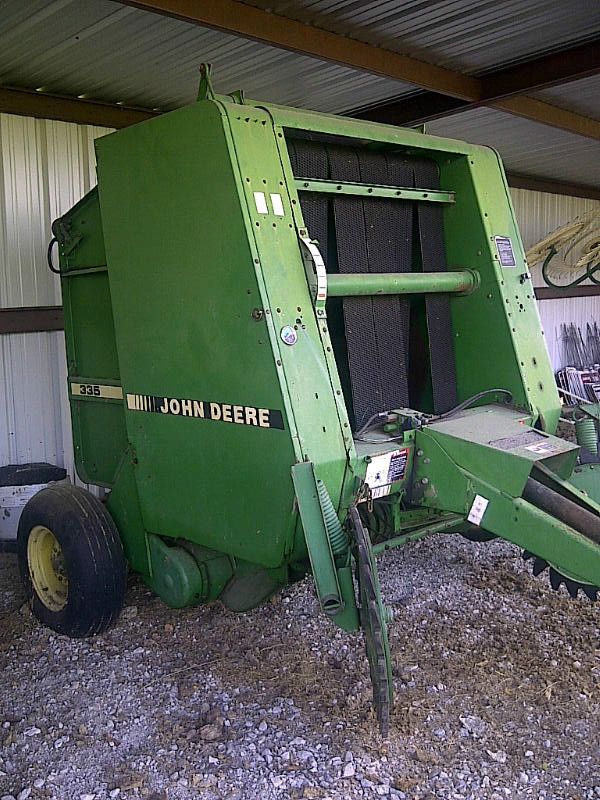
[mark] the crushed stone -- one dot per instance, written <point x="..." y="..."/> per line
<point x="497" y="682"/>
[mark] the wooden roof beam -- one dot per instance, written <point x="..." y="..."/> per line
<point x="503" y="85"/>
<point x="562" y="66"/>
<point x="69" y="109"/>
<point x="240" y="19"/>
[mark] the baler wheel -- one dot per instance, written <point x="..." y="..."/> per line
<point x="71" y="561"/>
<point x="373" y="621"/>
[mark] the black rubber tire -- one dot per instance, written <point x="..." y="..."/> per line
<point x="93" y="555"/>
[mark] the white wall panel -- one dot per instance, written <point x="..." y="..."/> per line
<point x="45" y="167"/>
<point x="538" y="214"/>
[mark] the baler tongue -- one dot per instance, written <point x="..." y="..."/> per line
<point x="512" y="480"/>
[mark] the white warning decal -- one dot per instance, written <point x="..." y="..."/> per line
<point x="478" y="509"/>
<point x="505" y="251"/>
<point x="260" y="201"/>
<point x="544" y="448"/>
<point x="384" y="470"/>
<point x="277" y="204"/>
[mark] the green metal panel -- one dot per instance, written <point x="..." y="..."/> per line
<point x="309" y="391"/>
<point x="360" y="132"/>
<point x="80" y="235"/>
<point x="93" y="355"/>
<point x="586" y="478"/>
<point x="498" y="338"/>
<point x="496" y="444"/>
<point x="183" y="281"/>
<point x="98" y="424"/>
<point x="99" y="439"/>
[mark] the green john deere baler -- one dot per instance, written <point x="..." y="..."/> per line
<point x="296" y="340"/>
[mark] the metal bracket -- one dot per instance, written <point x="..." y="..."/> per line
<point x="333" y="584"/>
<point x="589" y="273"/>
<point x="315" y="273"/>
<point x="317" y="541"/>
<point x="205" y="89"/>
<point x="67" y="241"/>
<point x="374" y="190"/>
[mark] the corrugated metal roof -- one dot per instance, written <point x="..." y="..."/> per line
<point x="106" y="51"/>
<point x="467" y="35"/>
<point x="110" y="52"/>
<point x="581" y="96"/>
<point x="526" y="147"/>
<point x="116" y="53"/>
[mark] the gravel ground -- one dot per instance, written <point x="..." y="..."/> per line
<point x="497" y="694"/>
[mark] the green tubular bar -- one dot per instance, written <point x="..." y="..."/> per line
<point x="460" y="282"/>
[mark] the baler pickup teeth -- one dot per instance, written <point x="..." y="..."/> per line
<point x="539" y="565"/>
<point x="557" y="579"/>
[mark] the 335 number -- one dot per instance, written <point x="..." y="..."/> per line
<point x="89" y="389"/>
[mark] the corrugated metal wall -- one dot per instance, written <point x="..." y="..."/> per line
<point x="539" y="214"/>
<point x="45" y="167"/>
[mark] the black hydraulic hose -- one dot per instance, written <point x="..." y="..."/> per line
<point x="373" y="421"/>
<point x="376" y="419"/>
<point x="469" y="402"/>
<point x="51" y="266"/>
<point x="580" y="519"/>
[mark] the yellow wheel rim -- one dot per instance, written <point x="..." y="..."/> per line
<point x="47" y="568"/>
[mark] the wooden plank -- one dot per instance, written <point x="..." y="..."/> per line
<point x="69" y="109"/>
<point x="535" y="184"/>
<point x="549" y="293"/>
<point x="31" y="319"/>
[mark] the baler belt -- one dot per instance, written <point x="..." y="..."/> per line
<point x="308" y="159"/>
<point x="437" y="306"/>
<point x="376" y="235"/>
<point x="368" y="231"/>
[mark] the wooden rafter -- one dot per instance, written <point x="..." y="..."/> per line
<point x="232" y="16"/>
<point x="69" y="109"/>
<point x="501" y="87"/>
